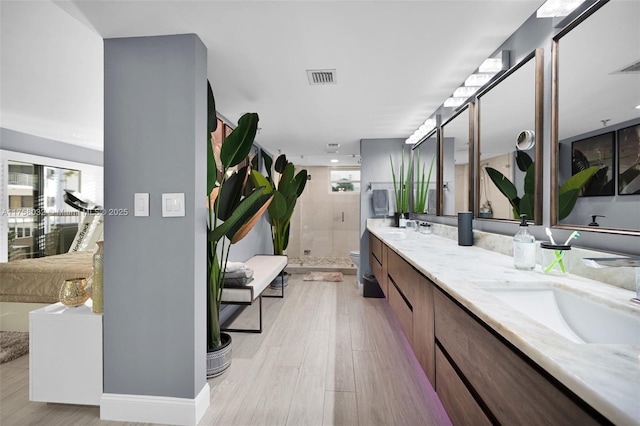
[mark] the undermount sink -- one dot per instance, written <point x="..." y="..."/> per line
<point x="573" y="316"/>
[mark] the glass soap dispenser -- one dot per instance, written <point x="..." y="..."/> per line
<point x="524" y="247"/>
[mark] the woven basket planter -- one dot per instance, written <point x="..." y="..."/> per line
<point x="220" y="359"/>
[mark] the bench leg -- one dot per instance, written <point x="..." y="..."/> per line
<point x="248" y="330"/>
<point x="281" y="296"/>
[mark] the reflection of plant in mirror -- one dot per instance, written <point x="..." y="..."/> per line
<point x="422" y="184"/>
<point x="401" y="186"/>
<point x="568" y="194"/>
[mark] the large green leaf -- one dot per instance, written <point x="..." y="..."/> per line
<point x="523" y="161"/>
<point x="247" y="213"/>
<point x="268" y="163"/>
<point x="504" y="185"/>
<point x="566" y="201"/>
<point x="260" y="180"/>
<point x="230" y="194"/>
<point x="530" y="181"/>
<point x="278" y="207"/>
<point x="237" y="145"/>
<point x="281" y="163"/>
<point x="578" y="180"/>
<point x="526" y="206"/>
<point x="301" y="182"/>
<point x="212" y="120"/>
<point x="243" y="211"/>
<point x="597" y="183"/>
<point x="287" y="185"/>
<point x="212" y="171"/>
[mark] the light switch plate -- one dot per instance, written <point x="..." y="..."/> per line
<point x="173" y="204"/>
<point x="141" y="204"/>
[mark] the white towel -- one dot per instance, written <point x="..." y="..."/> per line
<point x="234" y="266"/>
<point x="245" y="272"/>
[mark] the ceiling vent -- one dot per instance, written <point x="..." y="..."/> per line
<point x="632" y="68"/>
<point x="333" y="145"/>
<point x="332" y="151"/>
<point x="320" y="77"/>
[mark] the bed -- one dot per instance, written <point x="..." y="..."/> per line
<point x="29" y="284"/>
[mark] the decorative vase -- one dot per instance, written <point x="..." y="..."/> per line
<point x="280" y="281"/>
<point x="219" y="359"/>
<point x="97" y="284"/>
<point x="73" y="292"/>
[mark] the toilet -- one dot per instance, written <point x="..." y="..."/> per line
<point x="355" y="258"/>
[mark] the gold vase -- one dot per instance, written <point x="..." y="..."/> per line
<point x="97" y="287"/>
<point x="73" y="292"/>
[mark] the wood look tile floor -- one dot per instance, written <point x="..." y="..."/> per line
<point x="327" y="356"/>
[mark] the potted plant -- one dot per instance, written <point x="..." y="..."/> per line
<point x="567" y="195"/>
<point x="422" y="184"/>
<point x="233" y="211"/>
<point x="286" y="187"/>
<point x="401" y="188"/>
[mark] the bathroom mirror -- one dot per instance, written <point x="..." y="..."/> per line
<point x="509" y="107"/>
<point x="457" y="162"/>
<point x="425" y="194"/>
<point x="596" y="120"/>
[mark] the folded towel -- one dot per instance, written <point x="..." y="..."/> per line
<point x="245" y="272"/>
<point x="237" y="281"/>
<point x="234" y="266"/>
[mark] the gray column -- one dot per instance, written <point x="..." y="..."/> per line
<point x="155" y="267"/>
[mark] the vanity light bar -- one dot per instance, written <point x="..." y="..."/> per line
<point x="557" y="8"/>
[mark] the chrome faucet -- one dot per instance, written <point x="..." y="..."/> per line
<point x="617" y="262"/>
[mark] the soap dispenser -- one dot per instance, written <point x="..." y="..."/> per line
<point x="524" y="247"/>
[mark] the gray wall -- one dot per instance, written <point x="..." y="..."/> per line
<point x="375" y="169"/>
<point x="155" y="267"/>
<point x="12" y="140"/>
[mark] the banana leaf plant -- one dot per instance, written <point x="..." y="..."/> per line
<point x="401" y="187"/>
<point x="286" y="187"/>
<point x="232" y="210"/>
<point x="567" y="195"/>
<point x="422" y="184"/>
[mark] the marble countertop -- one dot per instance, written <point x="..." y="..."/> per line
<point x="606" y="376"/>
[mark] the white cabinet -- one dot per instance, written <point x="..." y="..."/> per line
<point x="65" y="361"/>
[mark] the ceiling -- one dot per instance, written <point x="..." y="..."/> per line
<point x="396" y="62"/>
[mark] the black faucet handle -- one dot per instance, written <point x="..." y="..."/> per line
<point x="593" y="219"/>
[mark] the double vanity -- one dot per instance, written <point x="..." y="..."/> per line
<point x="505" y="346"/>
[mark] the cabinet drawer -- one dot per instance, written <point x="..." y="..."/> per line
<point x="375" y="247"/>
<point x="402" y="274"/>
<point x="423" y="335"/>
<point x="402" y="310"/>
<point x="511" y="387"/>
<point x="460" y="405"/>
<point x="376" y="268"/>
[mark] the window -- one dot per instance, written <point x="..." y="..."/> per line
<point x="345" y="180"/>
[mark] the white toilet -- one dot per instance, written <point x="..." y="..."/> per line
<point x="355" y="258"/>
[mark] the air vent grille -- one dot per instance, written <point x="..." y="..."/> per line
<point x="332" y="151"/>
<point x="631" y="68"/>
<point x="321" y="77"/>
<point x="333" y="145"/>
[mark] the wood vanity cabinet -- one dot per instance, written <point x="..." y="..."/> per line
<point x="377" y="261"/>
<point x="411" y="299"/>
<point x="509" y="387"/>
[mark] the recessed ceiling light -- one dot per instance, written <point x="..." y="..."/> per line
<point x="334" y="160"/>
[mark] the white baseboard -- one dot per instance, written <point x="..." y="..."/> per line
<point x="155" y="409"/>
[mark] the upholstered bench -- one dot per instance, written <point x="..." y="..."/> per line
<point x="265" y="269"/>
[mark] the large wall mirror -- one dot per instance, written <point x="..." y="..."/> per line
<point x="596" y="121"/>
<point x="509" y="158"/>
<point x="457" y="162"/>
<point x="425" y="167"/>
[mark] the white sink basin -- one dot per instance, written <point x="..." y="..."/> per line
<point x="572" y="315"/>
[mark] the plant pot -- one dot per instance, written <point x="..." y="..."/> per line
<point x="219" y="359"/>
<point x="278" y="282"/>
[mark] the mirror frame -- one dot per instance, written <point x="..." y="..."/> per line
<point x="555" y="129"/>
<point x="471" y="111"/>
<point x="538" y="56"/>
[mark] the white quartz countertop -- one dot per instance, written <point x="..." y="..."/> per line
<point x="606" y="376"/>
